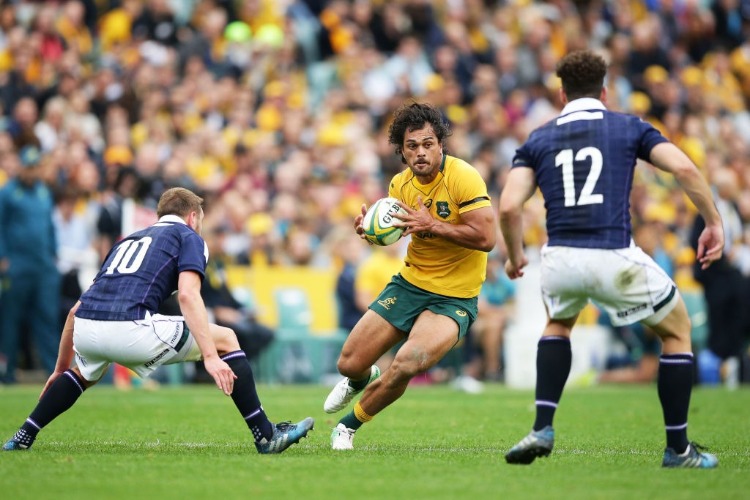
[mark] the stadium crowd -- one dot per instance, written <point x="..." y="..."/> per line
<point x="277" y="112"/>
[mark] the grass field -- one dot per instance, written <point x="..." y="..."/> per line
<point x="189" y="442"/>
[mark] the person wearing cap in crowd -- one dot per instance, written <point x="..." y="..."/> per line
<point x="30" y="279"/>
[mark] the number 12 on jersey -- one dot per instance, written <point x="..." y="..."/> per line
<point x="565" y="160"/>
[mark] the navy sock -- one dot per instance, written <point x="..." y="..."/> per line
<point x="674" y="387"/>
<point x="60" y="396"/>
<point x="553" y="360"/>
<point x="245" y="396"/>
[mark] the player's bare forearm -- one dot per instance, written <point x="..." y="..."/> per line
<point x="668" y="157"/>
<point x="699" y="192"/>
<point x="194" y="311"/>
<point x="476" y="229"/>
<point x="511" y="226"/>
<point x="196" y="317"/>
<point x="520" y="185"/>
<point x="480" y="236"/>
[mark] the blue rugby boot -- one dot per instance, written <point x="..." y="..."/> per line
<point x="536" y="444"/>
<point x="692" y="458"/>
<point x="285" y="434"/>
<point x="13" y="445"/>
<point x="21" y="440"/>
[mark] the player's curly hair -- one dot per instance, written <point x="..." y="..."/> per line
<point x="582" y="73"/>
<point x="414" y="116"/>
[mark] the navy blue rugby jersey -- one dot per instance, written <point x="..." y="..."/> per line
<point x="142" y="270"/>
<point x="584" y="162"/>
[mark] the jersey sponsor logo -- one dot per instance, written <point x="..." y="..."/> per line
<point x="387" y="303"/>
<point x="632" y="310"/>
<point x="177" y="333"/>
<point x="442" y="209"/>
<point x="157" y="358"/>
<point x="460" y="313"/>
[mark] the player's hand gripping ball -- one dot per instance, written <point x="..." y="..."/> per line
<point x="378" y="222"/>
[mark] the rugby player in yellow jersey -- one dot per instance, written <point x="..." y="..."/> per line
<point x="432" y="302"/>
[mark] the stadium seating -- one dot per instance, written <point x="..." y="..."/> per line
<point x="298" y="355"/>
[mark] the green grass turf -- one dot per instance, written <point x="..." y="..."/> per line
<point x="189" y="442"/>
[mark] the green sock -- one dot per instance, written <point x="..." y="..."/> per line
<point x="358" y="385"/>
<point x="351" y="421"/>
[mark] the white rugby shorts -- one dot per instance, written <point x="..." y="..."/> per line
<point x="626" y="282"/>
<point x="140" y="345"/>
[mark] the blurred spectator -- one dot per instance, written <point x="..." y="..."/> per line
<point x="494" y="302"/>
<point x="51" y="130"/>
<point x="225" y="308"/>
<point x="21" y="126"/>
<point x="350" y="250"/>
<point x="482" y="348"/>
<point x="110" y="221"/>
<point x="725" y="287"/>
<point x="30" y="279"/>
<point x="77" y="257"/>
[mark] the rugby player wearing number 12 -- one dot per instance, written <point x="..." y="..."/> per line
<point x="583" y="163"/>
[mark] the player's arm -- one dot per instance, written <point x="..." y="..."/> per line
<point x="519" y="187"/>
<point x="194" y="311"/>
<point x="669" y="158"/>
<point x="476" y="229"/>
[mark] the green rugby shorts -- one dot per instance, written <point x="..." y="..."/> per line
<point x="400" y="303"/>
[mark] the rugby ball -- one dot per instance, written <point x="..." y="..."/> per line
<point x="378" y="222"/>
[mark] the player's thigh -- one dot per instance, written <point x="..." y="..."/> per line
<point x="563" y="282"/>
<point x="432" y="336"/>
<point x="97" y="344"/>
<point x="370" y="338"/>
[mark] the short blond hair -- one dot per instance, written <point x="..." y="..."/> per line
<point x="178" y="201"/>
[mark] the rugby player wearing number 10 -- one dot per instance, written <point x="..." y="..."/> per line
<point x="432" y="302"/>
<point x="116" y="321"/>
<point x="583" y="163"/>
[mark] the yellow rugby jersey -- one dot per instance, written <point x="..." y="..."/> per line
<point x="433" y="263"/>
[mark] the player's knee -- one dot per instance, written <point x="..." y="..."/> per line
<point x="403" y="370"/>
<point x="348" y="367"/>
<point x="225" y="339"/>
<point x="352" y="366"/>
